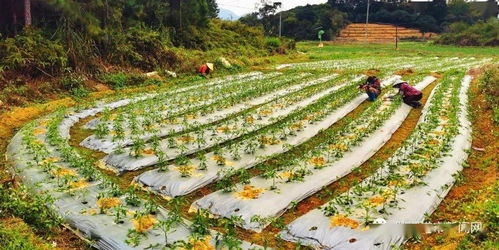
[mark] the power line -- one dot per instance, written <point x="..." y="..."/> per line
<point x="234" y="6"/>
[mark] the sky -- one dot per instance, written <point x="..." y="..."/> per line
<point x="242" y="7"/>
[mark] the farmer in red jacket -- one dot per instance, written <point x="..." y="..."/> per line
<point x="410" y="95"/>
<point x="206" y="69"/>
<point x="372" y="86"/>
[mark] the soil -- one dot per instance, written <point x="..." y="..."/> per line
<point x="405" y="72"/>
<point x="465" y="201"/>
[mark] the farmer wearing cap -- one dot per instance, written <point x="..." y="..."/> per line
<point x="372" y="86"/>
<point x="206" y="69"/>
<point x="410" y="95"/>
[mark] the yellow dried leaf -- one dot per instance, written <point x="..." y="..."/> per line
<point x="39" y="131"/>
<point x="286" y="175"/>
<point x="78" y="184"/>
<point x="223" y="129"/>
<point x="266" y="112"/>
<point x="438" y="132"/>
<point x="100" y="164"/>
<point x="60" y="172"/>
<point x="144" y="223"/>
<point x="296" y="126"/>
<point x="341" y="147"/>
<point x="317" y="161"/>
<point x="268" y="141"/>
<point x="202" y="244"/>
<point x="308" y="117"/>
<point x="375" y="201"/>
<point x="342" y="221"/>
<point x="187" y="170"/>
<point x="50" y="160"/>
<point x="185" y="139"/>
<point x="106" y="203"/>
<point x="249" y="193"/>
<point x="219" y="158"/>
<point x="249" y="119"/>
<point x="148" y="151"/>
<point x="90" y="211"/>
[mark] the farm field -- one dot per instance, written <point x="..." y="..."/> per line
<point x="289" y="154"/>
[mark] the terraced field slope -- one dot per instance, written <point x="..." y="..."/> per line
<point x="378" y="33"/>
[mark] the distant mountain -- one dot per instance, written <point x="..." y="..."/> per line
<point x="226" y="14"/>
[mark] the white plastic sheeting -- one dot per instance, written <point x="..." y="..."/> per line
<point x="124" y="162"/>
<point x="172" y="184"/>
<point x="314" y="228"/>
<point x="218" y="83"/>
<point x="107" y="145"/>
<point x="75" y="117"/>
<point x="270" y="203"/>
<point x="74" y="209"/>
<point x="99" y="228"/>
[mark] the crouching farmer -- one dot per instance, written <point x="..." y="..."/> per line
<point x="206" y="69"/>
<point x="372" y="86"/>
<point x="410" y="95"/>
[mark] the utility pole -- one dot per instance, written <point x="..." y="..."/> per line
<point x="280" y="24"/>
<point x="279" y="5"/>
<point x="367" y="22"/>
<point x="180" y="15"/>
<point x="396" y="36"/>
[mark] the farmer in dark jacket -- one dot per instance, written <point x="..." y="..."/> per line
<point x="372" y="86"/>
<point x="410" y="95"/>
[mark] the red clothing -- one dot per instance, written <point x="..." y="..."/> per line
<point x="408" y="90"/>
<point x="204" y="69"/>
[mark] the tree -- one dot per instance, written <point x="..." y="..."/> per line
<point x="266" y="8"/>
<point x="436" y="9"/>
<point x="459" y="11"/>
<point x="212" y="8"/>
<point x="27" y="13"/>
<point x="427" y="24"/>
<point x="250" y="19"/>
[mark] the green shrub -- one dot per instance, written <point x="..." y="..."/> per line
<point x="72" y="81"/>
<point x="280" y="45"/>
<point x="120" y="80"/>
<point x="115" y="80"/>
<point x="80" y="92"/>
<point x="227" y="38"/>
<point x="136" y="79"/>
<point x="31" y="208"/>
<point x="488" y="81"/>
<point x="33" y="54"/>
<point x="273" y="43"/>
<point x="479" y="34"/>
<point x="16" y="235"/>
<point x="141" y="47"/>
<point x="152" y="82"/>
